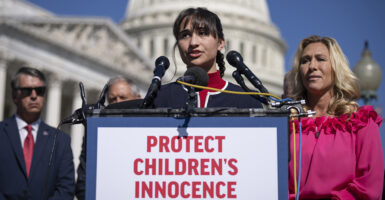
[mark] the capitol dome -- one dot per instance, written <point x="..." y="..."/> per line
<point x="247" y="27"/>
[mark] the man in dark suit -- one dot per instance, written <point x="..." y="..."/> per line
<point x="26" y="143"/>
<point x="119" y="89"/>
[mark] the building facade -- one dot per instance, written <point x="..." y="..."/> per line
<point x="247" y="27"/>
<point x="68" y="50"/>
<point x="90" y="50"/>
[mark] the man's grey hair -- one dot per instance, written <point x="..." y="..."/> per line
<point x="26" y="71"/>
<point x="134" y="88"/>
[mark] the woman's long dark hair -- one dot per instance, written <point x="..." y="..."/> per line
<point x="202" y="18"/>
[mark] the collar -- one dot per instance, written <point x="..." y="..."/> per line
<point x="21" y="124"/>
<point x="216" y="81"/>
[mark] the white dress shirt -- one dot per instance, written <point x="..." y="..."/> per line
<point x="21" y="125"/>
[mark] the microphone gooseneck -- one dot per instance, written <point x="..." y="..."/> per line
<point x="74" y="118"/>
<point x="161" y="65"/>
<point x="235" y="59"/>
<point x="78" y="116"/>
<point x="102" y="97"/>
<point x="196" y="76"/>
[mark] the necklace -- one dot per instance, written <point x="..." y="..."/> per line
<point x="317" y="132"/>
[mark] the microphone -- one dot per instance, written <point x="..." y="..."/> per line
<point x="102" y="98"/>
<point x="78" y="116"/>
<point x="235" y="59"/>
<point x="196" y="76"/>
<point x="161" y="65"/>
<point x="74" y="118"/>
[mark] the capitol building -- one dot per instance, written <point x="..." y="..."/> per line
<point x="91" y="50"/>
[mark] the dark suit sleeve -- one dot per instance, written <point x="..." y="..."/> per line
<point x="65" y="184"/>
<point x="81" y="182"/>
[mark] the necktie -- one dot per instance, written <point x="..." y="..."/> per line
<point x="28" y="148"/>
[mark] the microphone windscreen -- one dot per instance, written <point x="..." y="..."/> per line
<point x="161" y="65"/>
<point x="162" y="61"/>
<point x="234" y="58"/>
<point x="136" y="103"/>
<point x="200" y="75"/>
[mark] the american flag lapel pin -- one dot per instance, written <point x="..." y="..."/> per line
<point x="45" y="133"/>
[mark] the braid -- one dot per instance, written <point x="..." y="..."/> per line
<point x="221" y="63"/>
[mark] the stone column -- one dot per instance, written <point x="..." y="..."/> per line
<point x="158" y="46"/>
<point x="171" y="43"/>
<point x="146" y="45"/>
<point x="53" y="101"/>
<point x="77" y="130"/>
<point x="268" y="58"/>
<point x="3" y="78"/>
<point x="260" y="55"/>
<point x="248" y="54"/>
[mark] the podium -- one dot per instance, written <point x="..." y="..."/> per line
<point x="210" y="153"/>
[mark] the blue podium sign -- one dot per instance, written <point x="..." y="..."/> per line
<point x="193" y="158"/>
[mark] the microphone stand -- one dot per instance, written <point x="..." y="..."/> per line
<point x="237" y="76"/>
<point x="148" y="100"/>
<point x="80" y="119"/>
<point x="102" y="98"/>
<point x="191" y="101"/>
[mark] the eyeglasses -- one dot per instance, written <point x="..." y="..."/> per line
<point x="27" y="91"/>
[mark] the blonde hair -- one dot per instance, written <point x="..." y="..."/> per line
<point x="346" y="87"/>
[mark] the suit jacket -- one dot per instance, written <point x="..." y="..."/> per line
<point x="174" y="95"/>
<point x="14" y="183"/>
<point x="80" y="189"/>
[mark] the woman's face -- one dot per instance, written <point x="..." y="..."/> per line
<point x="316" y="69"/>
<point x="198" y="47"/>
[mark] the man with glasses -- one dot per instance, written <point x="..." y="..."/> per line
<point x="26" y="143"/>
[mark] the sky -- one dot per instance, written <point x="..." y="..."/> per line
<point x="350" y="22"/>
